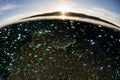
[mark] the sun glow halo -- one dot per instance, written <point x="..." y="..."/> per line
<point x="63" y="9"/>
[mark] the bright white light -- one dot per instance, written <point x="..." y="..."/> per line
<point x="63" y="8"/>
<point x="62" y="16"/>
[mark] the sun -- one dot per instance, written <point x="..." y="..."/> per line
<point x="62" y="16"/>
<point x="64" y="6"/>
<point x="63" y="9"/>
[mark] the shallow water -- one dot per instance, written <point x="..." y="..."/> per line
<point x="59" y="49"/>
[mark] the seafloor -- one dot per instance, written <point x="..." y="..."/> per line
<point x="59" y="50"/>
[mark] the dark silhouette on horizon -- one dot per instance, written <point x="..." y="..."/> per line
<point x="72" y="14"/>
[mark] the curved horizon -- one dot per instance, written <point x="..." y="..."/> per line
<point x="68" y="16"/>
